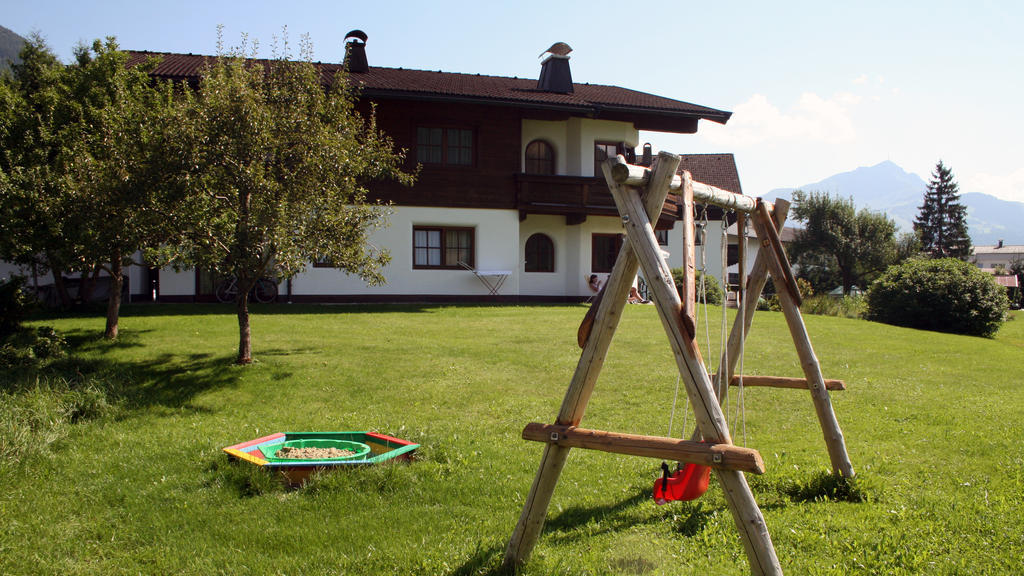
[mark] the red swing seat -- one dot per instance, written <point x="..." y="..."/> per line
<point x="687" y="483"/>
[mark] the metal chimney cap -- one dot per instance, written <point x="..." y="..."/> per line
<point x="558" y="49"/>
<point x="357" y="34"/>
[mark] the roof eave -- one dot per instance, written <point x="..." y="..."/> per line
<point x="657" y="120"/>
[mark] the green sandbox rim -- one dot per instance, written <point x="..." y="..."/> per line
<point x="359" y="449"/>
<point x="382" y="448"/>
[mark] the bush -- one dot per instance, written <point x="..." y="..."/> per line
<point x="845" y="307"/>
<point x="712" y="289"/>
<point x="772" y="301"/>
<point x="15" y="304"/>
<point x="944" y="295"/>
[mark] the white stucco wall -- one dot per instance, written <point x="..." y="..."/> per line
<point x="497" y="248"/>
<point x="544" y="283"/>
<point x="7" y="270"/>
<point x="177" y="283"/>
<point x="574" y="140"/>
<point x="554" y="133"/>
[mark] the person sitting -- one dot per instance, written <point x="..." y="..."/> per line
<point x="634" y="293"/>
<point x="634" y="296"/>
<point x="595" y="283"/>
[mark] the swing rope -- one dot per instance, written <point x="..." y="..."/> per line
<point x="742" y="312"/>
<point x="689" y="481"/>
<point x="724" y="329"/>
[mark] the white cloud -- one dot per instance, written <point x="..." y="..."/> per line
<point x="862" y="79"/>
<point x="810" y="119"/>
<point x="1006" y="186"/>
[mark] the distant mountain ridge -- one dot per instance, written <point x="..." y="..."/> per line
<point x="10" y="48"/>
<point x="885" y="187"/>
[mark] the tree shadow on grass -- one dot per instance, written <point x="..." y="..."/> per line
<point x="279" y="309"/>
<point x="167" y="380"/>
<point x="80" y="340"/>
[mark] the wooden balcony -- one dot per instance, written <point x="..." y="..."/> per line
<point x="576" y="197"/>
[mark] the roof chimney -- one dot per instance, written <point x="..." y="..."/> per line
<point x="554" y="70"/>
<point x="355" y="52"/>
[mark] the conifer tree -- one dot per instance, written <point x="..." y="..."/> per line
<point x="941" y="222"/>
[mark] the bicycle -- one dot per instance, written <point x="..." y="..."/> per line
<point x="264" y="292"/>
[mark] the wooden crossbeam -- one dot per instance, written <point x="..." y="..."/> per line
<point x="629" y="175"/>
<point x="783" y="382"/>
<point x="720" y="456"/>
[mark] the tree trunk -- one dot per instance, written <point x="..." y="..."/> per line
<point x="58" y="285"/>
<point x="88" y="283"/>
<point x="244" y="337"/>
<point x="114" y="298"/>
<point x="848" y="280"/>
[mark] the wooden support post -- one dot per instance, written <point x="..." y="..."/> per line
<point x="710" y="420"/>
<point x="755" y="286"/>
<point x="689" y="259"/>
<point x="721" y="456"/>
<point x="770" y="239"/>
<point x="808" y="361"/>
<point x="598" y="340"/>
<point x="782" y="382"/>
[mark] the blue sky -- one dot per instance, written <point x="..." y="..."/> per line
<point x="816" y="87"/>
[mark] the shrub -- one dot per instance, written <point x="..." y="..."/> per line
<point x="945" y="295"/>
<point x="772" y="301"/>
<point x="712" y="289"/>
<point x="844" y="307"/>
<point x="15" y="304"/>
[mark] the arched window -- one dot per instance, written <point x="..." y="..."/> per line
<point x="540" y="158"/>
<point x="540" y="254"/>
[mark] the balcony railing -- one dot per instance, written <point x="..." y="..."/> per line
<point x="577" y="196"/>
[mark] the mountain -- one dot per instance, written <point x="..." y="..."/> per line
<point x="10" y="47"/>
<point x="886" y="187"/>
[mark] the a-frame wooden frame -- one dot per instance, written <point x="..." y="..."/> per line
<point x="639" y="196"/>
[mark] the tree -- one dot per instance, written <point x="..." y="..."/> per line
<point x="83" y="160"/>
<point x="39" y="226"/>
<point x="120" y="161"/>
<point x="280" y="168"/>
<point x="941" y="222"/>
<point x="855" y="246"/>
<point x="1017" y="268"/>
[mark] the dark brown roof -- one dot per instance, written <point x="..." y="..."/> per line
<point x="718" y="170"/>
<point x="598" y="100"/>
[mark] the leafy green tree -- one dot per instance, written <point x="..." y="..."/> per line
<point x="120" y="161"/>
<point x="1017" y="268"/>
<point x="280" y="162"/>
<point x="855" y="246"/>
<point x="39" y="225"/>
<point x="941" y="223"/>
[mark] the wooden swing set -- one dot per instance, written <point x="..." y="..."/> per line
<point x="639" y="195"/>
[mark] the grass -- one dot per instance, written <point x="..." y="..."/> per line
<point x="133" y="480"/>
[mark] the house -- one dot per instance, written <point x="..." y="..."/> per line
<point x="998" y="257"/>
<point x="999" y="260"/>
<point x="509" y="204"/>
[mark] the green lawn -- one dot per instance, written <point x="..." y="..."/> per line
<point x="932" y="423"/>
